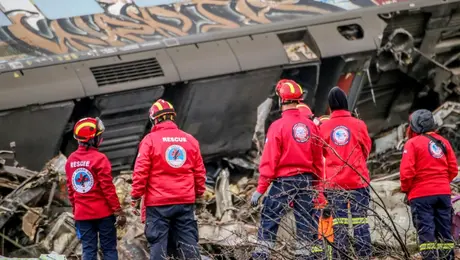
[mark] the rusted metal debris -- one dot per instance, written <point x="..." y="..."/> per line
<point x="29" y="210"/>
<point x="31" y="221"/>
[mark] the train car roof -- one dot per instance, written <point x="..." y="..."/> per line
<point x="38" y="33"/>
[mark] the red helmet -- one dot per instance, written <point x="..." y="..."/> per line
<point x="88" y="128"/>
<point x="161" y="108"/>
<point x="289" y="90"/>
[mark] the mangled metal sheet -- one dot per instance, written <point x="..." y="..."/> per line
<point x="448" y="114"/>
<point x="39" y="230"/>
<point x="30" y="222"/>
<point x="393" y="139"/>
<point x="62" y="237"/>
<point x="263" y="111"/>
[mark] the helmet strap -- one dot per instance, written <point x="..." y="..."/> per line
<point x="163" y="118"/>
<point x="99" y="140"/>
<point x="93" y="142"/>
<point x="288" y="102"/>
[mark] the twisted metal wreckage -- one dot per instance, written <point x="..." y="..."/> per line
<point x="35" y="218"/>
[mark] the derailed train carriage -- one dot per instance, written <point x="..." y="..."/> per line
<point x="216" y="61"/>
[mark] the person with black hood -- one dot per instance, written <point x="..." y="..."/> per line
<point x="347" y="147"/>
<point x="428" y="166"/>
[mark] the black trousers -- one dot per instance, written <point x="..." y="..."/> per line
<point x="432" y="216"/>
<point x="88" y="232"/>
<point x="172" y="224"/>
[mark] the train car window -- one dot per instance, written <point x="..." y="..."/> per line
<point x="57" y="9"/>
<point x="147" y="3"/>
<point x="4" y="20"/>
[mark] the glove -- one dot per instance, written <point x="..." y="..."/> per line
<point x="200" y="203"/>
<point x="121" y="218"/>
<point x="255" y="198"/>
<point x="136" y="206"/>
<point x="200" y="200"/>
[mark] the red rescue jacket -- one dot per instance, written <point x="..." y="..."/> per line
<point x="90" y="185"/>
<point x="291" y="148"/>
<point x="425" y="170"/>
<point x="348" y="136"/>
<point x="169" y="168"/>
<point x="320" y="200"/>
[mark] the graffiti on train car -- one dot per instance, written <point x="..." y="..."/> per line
<point x="123" y="23"/>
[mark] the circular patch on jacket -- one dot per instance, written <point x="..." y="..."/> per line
<point x="175" y="156"/>
<point x="435" y="150"/>
<point x="340" y="135"/>
<point x="82" y="180"/>
<point x="300" y="132"/>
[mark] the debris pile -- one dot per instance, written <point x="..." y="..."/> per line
<point x="36" y="219"/>
<point x="35" y="206"/>
<point x="34" y="216"/>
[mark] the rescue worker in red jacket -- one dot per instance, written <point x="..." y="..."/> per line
<point x="428" y="166"/>
<point x="291" y="161"/>
<point x="320" y="200"/>
<point x="170" y="173"/>
<point x="349" y="138"/>
<point x="92" y="193"/>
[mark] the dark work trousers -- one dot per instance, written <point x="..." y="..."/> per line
<point x="180" y="221"/>
<point x="297" y="192"/>
<point x="359" y="204"/>
<point x="88" y="231"/>
<point x="172" y="244"/>
<point x="432" y="217"/>
<point x="172" y="247"/>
